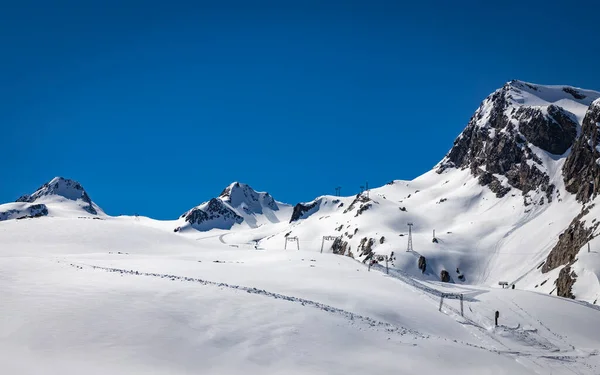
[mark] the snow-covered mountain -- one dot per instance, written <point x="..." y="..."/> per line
<point x="513" y="200"/>
<point x="58" y="197"/>
<point x="239" y="204"/>
<point x="499" y="202"/>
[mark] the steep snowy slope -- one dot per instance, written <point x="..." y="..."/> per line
<point x="237" y="205"/>
<point x="58" y="197"/>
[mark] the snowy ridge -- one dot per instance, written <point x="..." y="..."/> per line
<point x="58" y="197"/>
<point x="238" y="204"/>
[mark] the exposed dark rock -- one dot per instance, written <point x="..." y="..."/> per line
<point x="366" y="248"/>
<point x="576" y="94"/>
<point x="360" y="198"/>
<point x="301" y="209"/>
<point x="339" y="246"/>
<point x="214" y="210"/>
<point x="31" y="211"/>
<point x="362" y="208"/>
<point x="491" y="144"/>
<point x="38" y="210"/>
<point x="422" y="264"/>
<point x="488" y="179"/>
<point x="382" y="239"/>
<point x="564" y="283"/>
<point x="62" y="187"/>
<point x="569" y="243"/>
<point x="445" y="276"/>
<point x="581" y="171"/>
<point x="554" y="132"/>
<point x="403" y="209"/>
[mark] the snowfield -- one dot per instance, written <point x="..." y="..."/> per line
<point x="120" y="296"/>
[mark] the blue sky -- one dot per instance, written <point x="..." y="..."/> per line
<point x="157" y="106"/>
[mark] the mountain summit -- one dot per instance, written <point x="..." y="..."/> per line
<point x="517" y="132"/>
<point x="58" y="197"/>
<point x="238" y="203"/>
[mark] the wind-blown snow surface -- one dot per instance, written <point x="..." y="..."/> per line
<point x="123" y="296"/>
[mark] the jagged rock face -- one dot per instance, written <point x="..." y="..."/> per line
<point x="422" y="264"/>
<point x="554" y="131"/>
<point x="30" y="211"/>
<point x="564" y="283"/>
<point x="361" y="200"/>
<point x="444" y="276"/>
<point x="366" y="248"/>
<point x="499" y="137"/>
<point x="569" y="243"/>
<point x="339" y="246"/>
<point x="303" y="210"/>
<point x="215" y="209"/>
<point x="62" y="187"/>
<point x="581" y="171"/>
<point x="244" y="197"/>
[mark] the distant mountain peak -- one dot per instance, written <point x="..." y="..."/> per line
<point x="237" y="203"/>
<point x="63" y="188"/>
<point x="240" y="195"/>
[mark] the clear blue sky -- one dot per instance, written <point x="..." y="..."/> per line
<point x="156" y="106"/>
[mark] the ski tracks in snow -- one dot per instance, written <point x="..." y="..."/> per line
<point x="557" y="356"/>
<point x="373" y="323"/>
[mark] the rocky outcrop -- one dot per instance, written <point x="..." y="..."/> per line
<point x="488" y="179"/>
<point x="445" y="276"/>
<point x="564" y="283"/>
<point x="340" y="246"/>
<point x="215" y="209"/>
<point x="303" y="210"/>
<point x="422" y="264"/>
<point x="360" y="200"/>
<point x="28" y="211"/>
<point x="498" y="138"/>
<point x="581" y="171"/>
<point x="365" y="248"/>
<point x="63" y="188"/>
<point x="242" y="196"/>
<point x="569" y="243"/>
<point x="553" y="130"/>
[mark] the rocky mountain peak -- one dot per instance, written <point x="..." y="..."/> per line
<point x="512" y="127"/>
<point x="581" y="170"/>
<point x="242" y="196"/>
<point x="62" y="188"/>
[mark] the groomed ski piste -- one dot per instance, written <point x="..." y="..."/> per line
<point x="124" y="295"/>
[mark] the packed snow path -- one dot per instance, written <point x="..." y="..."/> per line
<point x="521" y="342"/>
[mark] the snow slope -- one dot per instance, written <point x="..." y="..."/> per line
<point x="118" y="296"/>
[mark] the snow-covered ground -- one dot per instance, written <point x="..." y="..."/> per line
<point x="216" y="291"/>
<point x="123" y="296"/>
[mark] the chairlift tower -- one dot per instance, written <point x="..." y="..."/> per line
<point x="409" y="248"/>
<point x="292" y="239"/>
